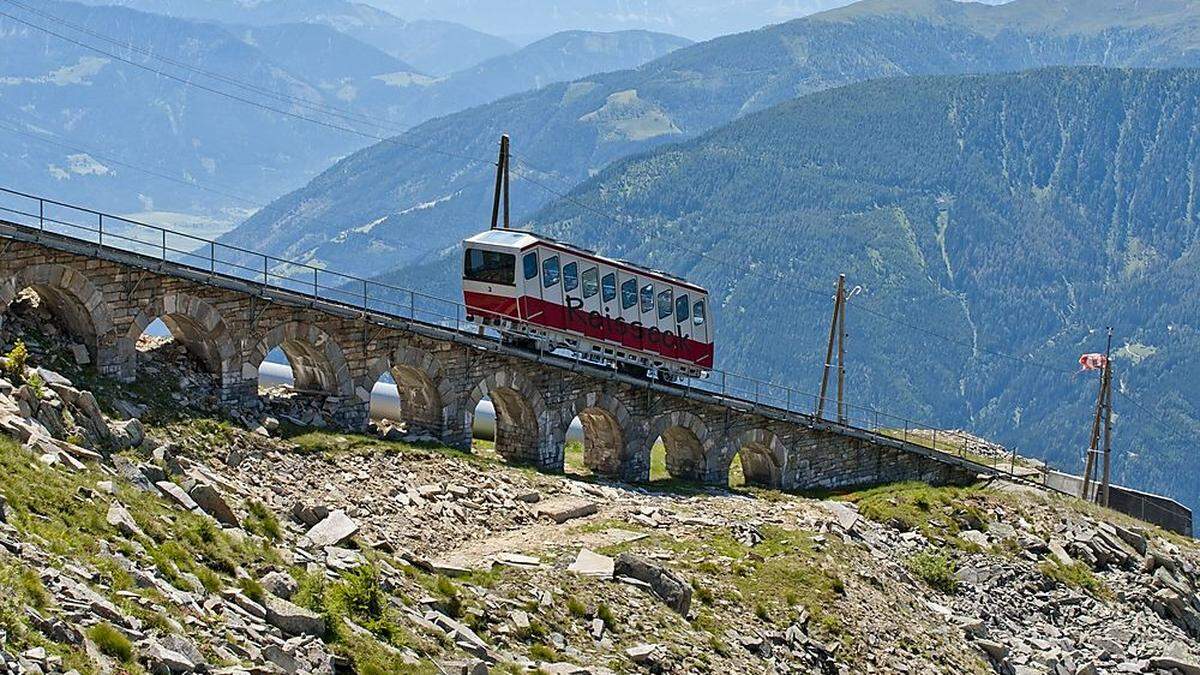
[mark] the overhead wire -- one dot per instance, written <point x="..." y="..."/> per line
<point x="315" y="106"/>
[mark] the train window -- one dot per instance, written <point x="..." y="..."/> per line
<point x="491" y="267"/>
<point x="698" y="313"/>
<point x="629" y="294"/>
<point x="550" y="271"/>
<point x="681" y="308"/>
<point x="530" y="263"/>
<point x="591" y="282"/>
<point x="570" y="276"/>
<point x="608" y="287"/>
<point x="664" y="304"/>
<point x="648" y="298"/>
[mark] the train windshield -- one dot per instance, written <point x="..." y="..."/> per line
<point x="491" y="267"/>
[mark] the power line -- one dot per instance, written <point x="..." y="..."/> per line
<point x="242" y="99"/>
<point x="325" y="108"/>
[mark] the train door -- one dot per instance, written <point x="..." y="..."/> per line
<point x="552" y="294"/>
<point x="529" y="288"/>
<point x="701" y="327"/>
<point x="589" y="298"/>
<point x="610" y="303"/>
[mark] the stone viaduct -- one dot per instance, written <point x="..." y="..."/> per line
<point x="107" y="297"/>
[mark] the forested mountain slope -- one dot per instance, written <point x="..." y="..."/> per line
<point x="391" y="204"/>
<point x="1014" y="213"/>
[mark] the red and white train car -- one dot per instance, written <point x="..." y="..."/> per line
<point x="535" y="288"/>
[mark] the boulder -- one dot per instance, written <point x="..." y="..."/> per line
<point x="592" y="564"/>
<point x="176" y="494"/>
<point x="333" y="530"/>
<point x="279" y="584"/>
<point x="562" y="509"/>
<point x="292" y="619"/>
<point x="165" y="661"/>
<point x="211" y="502"/>
<point x="127" y="434"/>
<point x="668" y="586"/>
<point x="121" y="519"/>
<point x="309" y="514"/>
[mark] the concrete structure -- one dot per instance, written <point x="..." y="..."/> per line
<point x="107" y="296"/>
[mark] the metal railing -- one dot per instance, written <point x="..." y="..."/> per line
<point x="395" y="302"/>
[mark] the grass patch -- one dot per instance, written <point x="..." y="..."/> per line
<point x="938" y="513"/>
<point x="111" y="642"/>
<point x="262" y="521"/>
<point x="935" y="568"/>
<point x="1077" y="575"/>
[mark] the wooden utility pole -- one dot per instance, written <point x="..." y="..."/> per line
<point x="501" y="184"/>
<point x="837" y="330"/>
<point x="1102" y="416"/>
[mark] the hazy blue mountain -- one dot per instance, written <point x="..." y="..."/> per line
<point x="560" y="57"/>
<point x="390" y="205"/>
<point x="1013" y="213"/>
<point x="696" y="19"/>
<point x="86" y="126"/>
<point x="432" y="47"/>
<point x="73" y="118"/>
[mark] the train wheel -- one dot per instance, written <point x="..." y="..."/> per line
<point x="633" y="370"/>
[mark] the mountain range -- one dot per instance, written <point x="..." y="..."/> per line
<point x="164" y="146"/>
<point x="403" y="199"/>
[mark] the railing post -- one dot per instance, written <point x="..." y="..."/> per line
<point x="164" y="245"/>
<point x="212" y="256"/>
<point x="364" y="294"/>
<point x="315" y="287"/>
<point x="41" y="214"/>
<point x="101" y="230"/>
<point x="412" y="307"/>
<point x="264" y="270"/>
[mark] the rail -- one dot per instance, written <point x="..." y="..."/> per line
<point x="367" y="295"/>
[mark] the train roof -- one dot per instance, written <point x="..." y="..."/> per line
<point x="521" y="239"/>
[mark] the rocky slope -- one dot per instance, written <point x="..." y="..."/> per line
<point x="145" y="529"/>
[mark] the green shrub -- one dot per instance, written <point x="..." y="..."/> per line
<point x="252" y="589"/>
<point x="208" y="578"/>
<point x="543" y="652"/>
<point x="111" y="641"/>
<point x="605" y="614"/>
<point x="936" y="569"/>
<point x="14" y="363"/>
<point x="576" y="607"/>
<point x="1076" y="575"/>
<point x="359" y="595"/>
<point x="36" y="384"/>
<point x="263" y="522"/>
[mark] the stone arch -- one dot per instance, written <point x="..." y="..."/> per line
<point x="687" y="443"/>
<point x="69" y="295"/>
<point x="520" y="413"/>
<point x="424" y="393"/>
<point x="763" y="458"/>
<point x="197" y="325"/>
<point x="318" y="363"/>
<point x="605" y="422"/>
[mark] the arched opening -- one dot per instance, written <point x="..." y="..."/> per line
<point x="677" y="449"/>
<point x="406" y="403"/>
<point x="595" y="443"/>
<point x="57" y="305"/>
<point x="757" y="463"/>
<point x="184" y="333"/>
<point x="299" y="367"/>
<point x="515" y="425"/>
